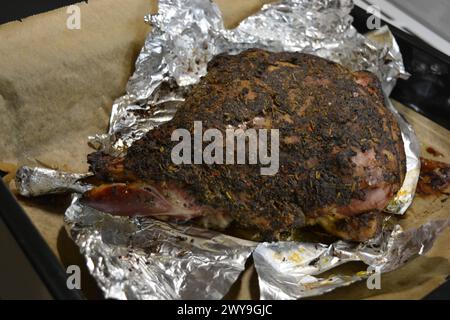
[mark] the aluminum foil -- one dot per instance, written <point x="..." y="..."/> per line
<point x="32" y="182"/>
<point x="292" y="270"/>
<point x="141" y="258"/>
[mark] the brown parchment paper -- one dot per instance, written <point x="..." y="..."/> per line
<point x="57" y="87"/>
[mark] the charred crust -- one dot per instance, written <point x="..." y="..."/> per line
<point x="330" y="110"/>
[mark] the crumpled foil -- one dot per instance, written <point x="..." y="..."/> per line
<point x="141" y="258"/>
<point x="33" y="182"/>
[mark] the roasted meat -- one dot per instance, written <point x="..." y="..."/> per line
<point x="341" y="155"/>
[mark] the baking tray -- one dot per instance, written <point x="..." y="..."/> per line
<point x="42" y="259"/>
<point x="432" y="103"/>
<point x="20" y="9"/>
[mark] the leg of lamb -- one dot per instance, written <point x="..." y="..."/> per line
<point x="341" y="155"/>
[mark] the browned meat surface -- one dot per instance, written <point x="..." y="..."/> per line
<point x="341" y="151"/>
